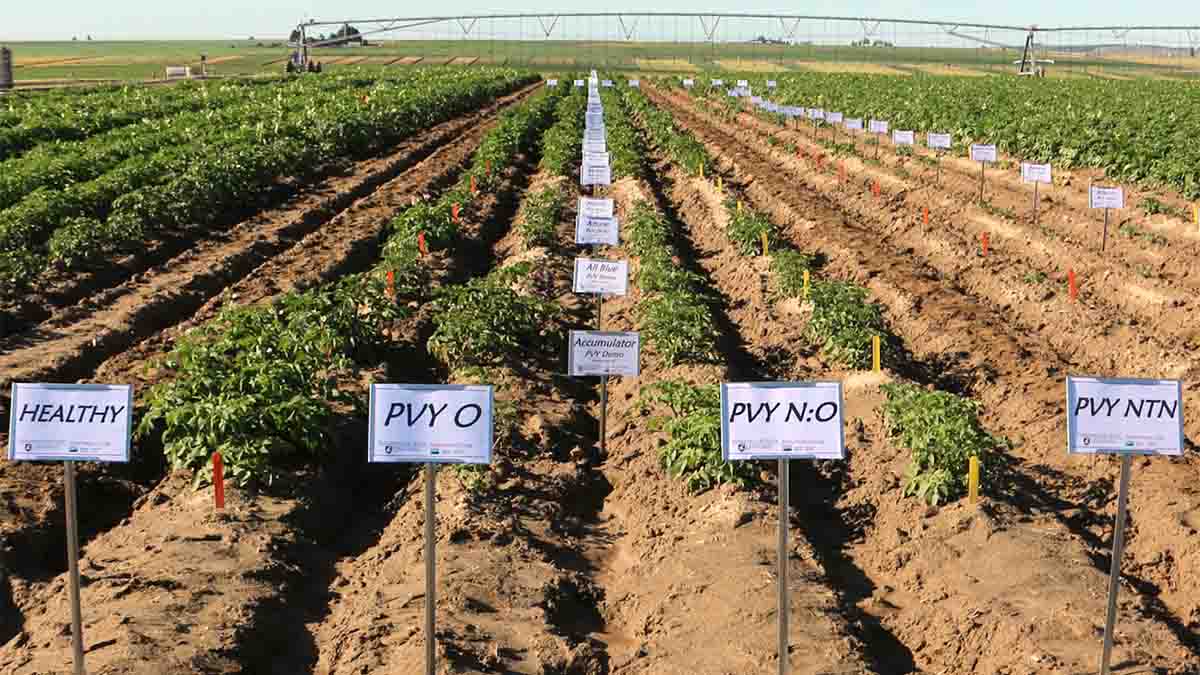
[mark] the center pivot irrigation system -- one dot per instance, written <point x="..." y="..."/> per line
<point x="772" y="36"/>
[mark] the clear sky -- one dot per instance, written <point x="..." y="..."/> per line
<point x="161" y="19"/>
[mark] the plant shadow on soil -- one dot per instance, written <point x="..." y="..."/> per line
<point x="829" y="530"/>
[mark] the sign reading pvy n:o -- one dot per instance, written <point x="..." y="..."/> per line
<point x="1124" y="416"/>
<point x="449" y="424"/>
<point x="70" y="422"/>
<point x="782" y="420"/>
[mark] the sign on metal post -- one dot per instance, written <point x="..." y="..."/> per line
<point x="1106" y="198"/>
<point x="591" y="353"/>
<point x="1124" y="417"/>
<point x="71" y="423"/>
<point x="939" y="143"/>
<point x="782" y="421"/>
<point x="1036" y="174"/>
<point x="982" y="154"/>
<point x="602" y="277"/>
<point x="430" y="424"/>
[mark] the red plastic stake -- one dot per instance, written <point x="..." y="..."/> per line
<point x="391" y="284"/>
<point x="421" y="243"/>
<point x="488" y="164"/>
<point x="1072" y="284"/>
<point x="474" y="188"/>
<point x="454" y="210"/>
<point x="875" y="188"/>
<point x="218" y="480"/>
<point x="925" y="215"/>
<point x="984" y="237"/>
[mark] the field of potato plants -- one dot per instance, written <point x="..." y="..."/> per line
<point x="253" y="255"/>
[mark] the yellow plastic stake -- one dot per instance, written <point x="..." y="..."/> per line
<point x="805" y="284"/>
<point x="701" y="170"/>
<point x="1196" y="215"/>
<point x="973" y="481"/>
<point x="720" y="184"/>
<point x="766" y="249"/>
<point x="875" y="354"/>
<point x="739" y="207"/>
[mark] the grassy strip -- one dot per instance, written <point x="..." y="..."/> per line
<point x="259" y="384"/>
<point x="943" y="432"/>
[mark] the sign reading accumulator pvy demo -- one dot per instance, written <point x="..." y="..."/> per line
<point x="449" y="424"/>
<point x="70" y="422"/>
<point x="593" y="352"/>
<point x="1123" y="416"/>
<point x="782" y="420"/>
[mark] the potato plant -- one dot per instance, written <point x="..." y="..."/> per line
<point x="692" y="452"/>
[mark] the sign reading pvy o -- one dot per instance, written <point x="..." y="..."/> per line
<point x="782" y="420"/>
<point x="449" y="424"/>
<point x="70" y="422"/>
<point x="1121" y="416"/>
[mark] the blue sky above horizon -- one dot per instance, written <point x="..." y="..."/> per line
<point x="227" y="19"/>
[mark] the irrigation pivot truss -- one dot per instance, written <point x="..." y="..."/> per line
<point x="686" y="41"/>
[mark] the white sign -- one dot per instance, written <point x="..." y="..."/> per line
<point x="833" y="117"/>
<point x="1119" y="416"/>
<point x="938" y="141"/>
<point x="602" y="277"/>
<point x="591" y="147"/>
<point x="551" y="83"/>
<point x="816" y="114"/>
<point x="878" y="127"/>
<point x="1036" y="173"/>
<point x="635" y="84"/>
<point x="689" y="83"/>
<point x="789" y="420"/>
<point x="742" y="84"/>
<point x="443" y="423"/>
<point x="904" y="138"/>
<point x="718" y="83"/>
<point x="854" y="123"/>
<point x="596" y="208"/>
<point x="595" y="158"/>
<point x="1106" y="198"/>
<point x="771" y="84"/>
<point x="606" y="83"/>
<point x="593" y="230"/>
<point x="983" y="153"/>
<point x="70" y="422"/>
<point x="756" y="100"/>
<point x="595" y="134"/>
<point x="595" y="174"/>
<point x="579" y="83"/>
<point x="593" y="352"/>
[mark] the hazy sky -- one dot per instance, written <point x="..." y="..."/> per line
<point x="148" y="19"/>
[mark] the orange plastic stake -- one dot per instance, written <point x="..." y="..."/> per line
<point x="984" y="237"/>
<point x="488" y="164"/>
<point x="1072" y="284"/>
<point x="925" y="215"/>
<point x="875" y="188"/>
<point x="454" y="210"/>
<point x="842" y="171"/>
<point x="421" y="243"/>
<point x="391" y="284"/>
<point x="474" y="188"/>
<point x="218" y="480"/>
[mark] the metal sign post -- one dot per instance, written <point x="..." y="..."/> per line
<point x="1114" y="574"/>
<point x="73" y="567"/>
<point x="1104" y="240"/>
<point x="784" y="601"/>
<point x="430" y="570"/>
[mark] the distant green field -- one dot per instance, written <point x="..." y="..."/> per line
<point x="65" y="61"/>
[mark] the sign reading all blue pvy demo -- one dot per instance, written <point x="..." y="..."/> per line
<point x="70" y="422"/>
<point x="1122" y="416"/>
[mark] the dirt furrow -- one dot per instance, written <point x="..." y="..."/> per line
<point x="229" y="591"/>
<point x="1016" y="378"/>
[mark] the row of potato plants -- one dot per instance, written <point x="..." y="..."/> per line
<point x="40" y="120"/>
<point x="264" y="384"/>
<point x="1138" y="131"/>
<point x="940" y="429"/>
<point x="220" y="175"/>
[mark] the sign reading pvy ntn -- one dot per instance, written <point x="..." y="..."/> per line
<point x="1124" y="416"/>
<point x="592" y="352"/>
<point x="782" y="420"/>
<point x="431" y="423"/>
<point x="70" y="422"/>
<point x="603" y="277"/>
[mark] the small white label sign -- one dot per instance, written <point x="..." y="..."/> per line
<point x="1036" y="173"/>
<point x="718" y="83"/>
<point x="1120" y="416"/>
<point x="938" y="141"/>
<point x="592" y="352"/>
<point x="595" y="174"/>
<point x="551" y="83"/>
<point x="1106" y="197"/>
<point x="594" y="230"/>
<point x="789" y="420"/>
<point x="602" y="277"/>
<point x="771" y="84"/>
<point x="833" y="117"/>
<point x="593" y="147"/>
<point x="431" y="423"/>
<point x="70" y="422"/>
<point x="742" y="84"/>
<point x="904" y="138"/>
<point x="635" y="84"/>
<point x="983" y="153"/>
<point x="689" y="83"/>
<point x="854" y="123"/>
<point x="579" y="83"/>
<point x="816" y="114"/>
<point x="606" y="83"/>
<point x="878" y="127"/>
<point x="596" y="208"/>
